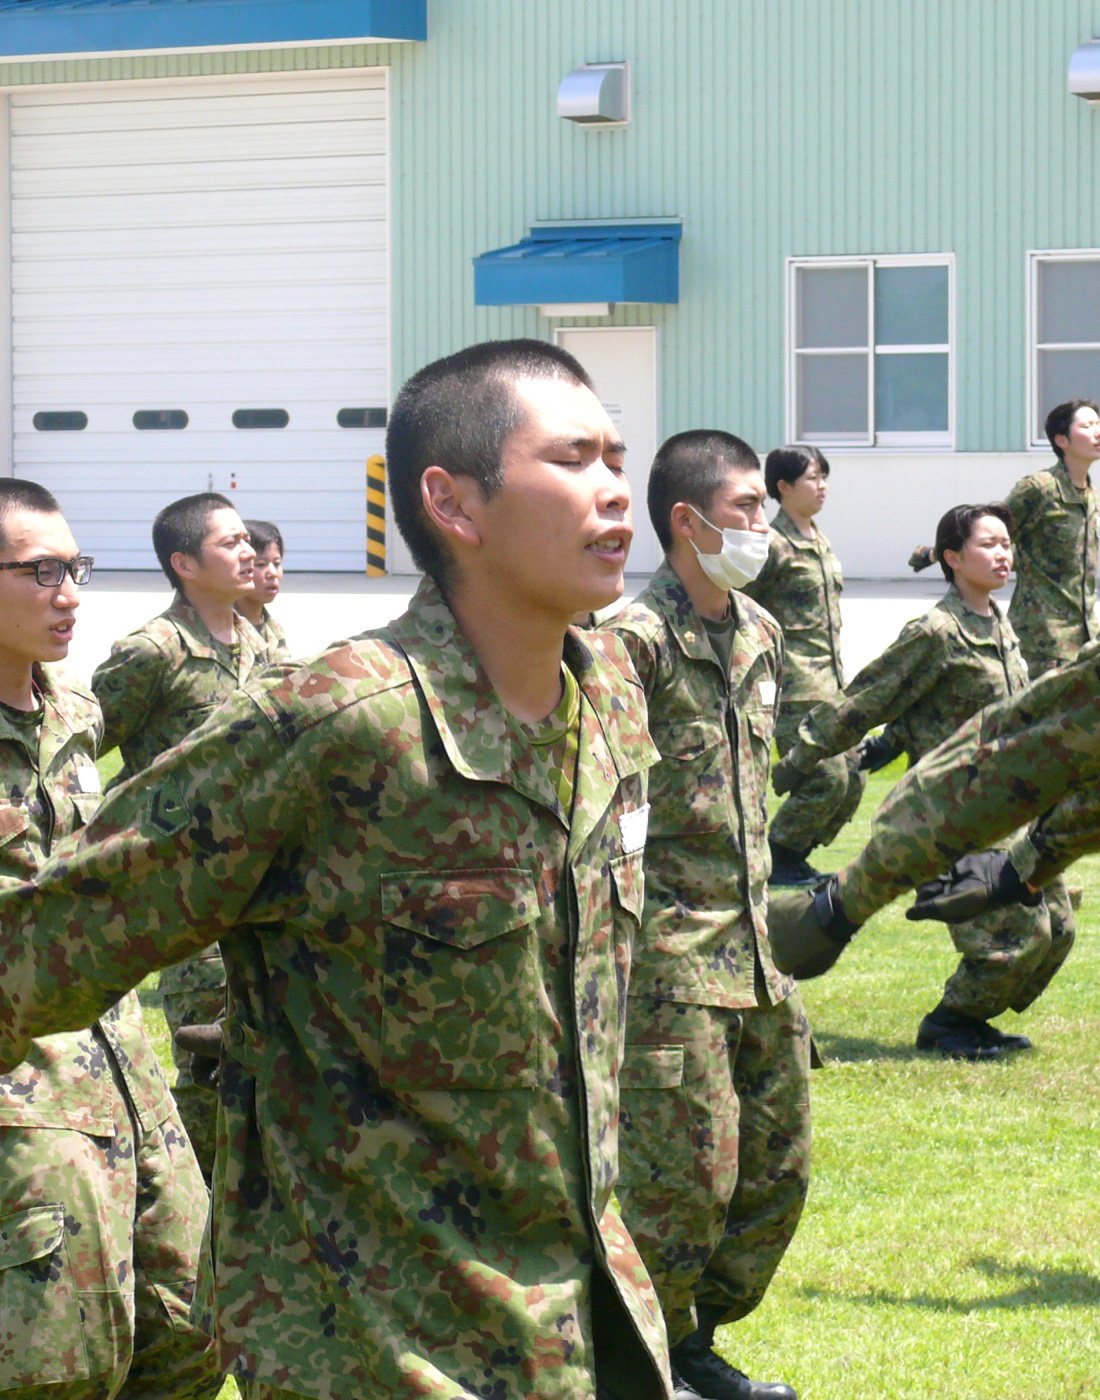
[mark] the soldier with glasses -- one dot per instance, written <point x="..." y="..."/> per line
<point x="101" y="1200"/>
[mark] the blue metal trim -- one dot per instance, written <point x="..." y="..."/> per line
<point x="32" y="27"/>
<point x="583" y="263"/>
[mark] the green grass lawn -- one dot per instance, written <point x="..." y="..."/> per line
<point x="950" y="1245"/>
<point x="950" y="1248"/>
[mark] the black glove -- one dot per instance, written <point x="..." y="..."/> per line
<point x="974" y="885"/>
<point x="923" y="557"/>
<point x="808" y="929"/>
<point x="876" y="751"/>
<point x="786" y="777"/>
<point x="204" y="1045"/>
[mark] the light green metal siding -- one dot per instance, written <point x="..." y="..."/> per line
<point x="772" y="127"/>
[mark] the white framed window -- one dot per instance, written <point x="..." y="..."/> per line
<point x="1063" y="333"/>
<point x="871" y="351"/>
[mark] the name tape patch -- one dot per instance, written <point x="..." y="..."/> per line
<point x="767" y="692"/>
<point x="87" y="780"/>
<point x="632" y="828"/>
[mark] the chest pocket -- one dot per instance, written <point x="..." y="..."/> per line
<point x="13" y="824"/>
<point x="690" y="789"/>
<point x="460" y="984"/>
<point x="43" y="1336"/>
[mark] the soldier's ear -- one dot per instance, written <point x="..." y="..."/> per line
<point x="450" y="503"/>
<point x="683" y="521"/>
<point x="185" y="565"/>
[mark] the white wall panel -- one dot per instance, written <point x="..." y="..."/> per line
<point x="203" y="245"/>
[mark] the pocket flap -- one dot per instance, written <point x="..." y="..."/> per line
<point x="460" y="907"/>
<point x="627" y="872"/>
<point x="13" y="822"/>
<point x="656" y="1067"/>
<point x="31" y="1234"/>
<point x="86" y="804"/>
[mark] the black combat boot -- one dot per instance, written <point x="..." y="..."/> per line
<point x="791" y="868"/>
<point x="957" y="1036"/>
<point x="696" y="1363"/>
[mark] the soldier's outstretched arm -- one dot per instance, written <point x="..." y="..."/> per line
<point x="170" y="860"/>
<point x="1005" y="767"/>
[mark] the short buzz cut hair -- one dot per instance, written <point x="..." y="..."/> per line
<point x="17" y="494"/>
<point x="1060" y="420"/>
<point x="456" y="413"/>
<point x="691" y="467"/>
<point x="181" y="527"/>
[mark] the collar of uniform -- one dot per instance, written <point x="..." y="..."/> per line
<point x="67" y="709"/>
<point x="1073" y="495"/>
<point x="976" y="626"/>
<point x="789" y="530"/>
<point x="474" y="727"/>
<point x="200" y="641"/>
<point x="685" y="624"/>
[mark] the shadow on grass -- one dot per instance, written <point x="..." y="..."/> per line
<point x="854" y="1049"/>
<point x="150" y="996"/>
<point x="1037" y="1288"/>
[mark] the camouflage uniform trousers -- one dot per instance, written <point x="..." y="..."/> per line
<point x="1010" y="955"/>
<point x="193" y="993"/>
<point x="826" y="801"/>
<point x="714" y="1150"/>
<point x="103" y="1234"/>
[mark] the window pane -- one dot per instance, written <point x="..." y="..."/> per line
<point x="1063" y="375"/>
<point x="832" y="395"/>
<point x="60" y="422"/>
<point x="832" y="306"/>
<point x="1069" y="303"/>
<point x="911" y="394"/>
<point x="911" y="306"/>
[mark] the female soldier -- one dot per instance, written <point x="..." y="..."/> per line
<point x="267" y="579"/>
<point x="800" y="586"/>
<point x="959" y="657"/>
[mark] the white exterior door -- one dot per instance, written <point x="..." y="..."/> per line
<point x="623" y="364"/>
<point x="195" y="263"/>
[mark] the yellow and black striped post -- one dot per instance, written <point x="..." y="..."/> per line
<point x="376" y="517"/>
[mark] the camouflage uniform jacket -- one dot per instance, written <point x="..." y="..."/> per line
<point x="427" y="965"/>
<point x="65" y="1081"/>
<point x="1035" y="755"/>
<point x="272" y="634"/>
<point x="943" y="667"/>
<point x="1055" y="536"/>
<point x="707" y="861"/>
<point x="162" y="681"/>
<point x="800" y="585"/>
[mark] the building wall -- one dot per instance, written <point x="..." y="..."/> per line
<point x="796" y="127"/>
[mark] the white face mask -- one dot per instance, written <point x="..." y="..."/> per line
<point x="742" y="556"/>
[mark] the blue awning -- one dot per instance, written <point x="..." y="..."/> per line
<point x="583" y="263"/>
<point x="36" y="28"/>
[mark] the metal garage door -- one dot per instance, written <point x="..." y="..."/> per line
<point x="196" y="263"/>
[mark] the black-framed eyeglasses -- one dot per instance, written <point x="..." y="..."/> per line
<point x="50" y="573"/>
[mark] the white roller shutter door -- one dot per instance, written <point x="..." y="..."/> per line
<point x="204" y="247"/>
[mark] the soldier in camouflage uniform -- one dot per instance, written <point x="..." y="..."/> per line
<point x="101" y="1201"/>
<point x="714" y="1144"/>
<point x="158" y="685"/>
<point x="422" y="853"/>
<point x="1035" y="758"/>
<point x="1055" y="535"/>
<point x="800" y="585"/>
<point x="267" y="579"/>
<point x="960" y="656"/>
